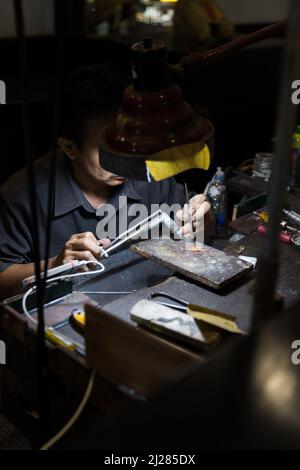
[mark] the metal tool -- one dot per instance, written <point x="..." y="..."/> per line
<point x="58" y="339"/>
<point x="241" y="249"/>
<point x="292" y="216"/>
<point x="285" y="237"/>
<point x="103" y="252"/>
<point x="182" y="304"/>
<point x="146" y="224"/>
<point x="103" y="292"/>
<point x="296" y="239"/>
<point x="212" y="317"/>
<point x="187" y="201"/>
<point x="59" y="270"/>
<point x="78" y="318"/>
<point x="288" y="228"/>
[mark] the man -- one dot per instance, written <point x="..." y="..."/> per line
<point x="91" y="96"/>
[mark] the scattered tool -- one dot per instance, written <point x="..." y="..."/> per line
<point x="285" y="237"/>
<point x="234" y="213"/>
<point x="292" y="216"/>
<point x="188" y="205"/>
<point x="58" y="339"/>
<point x="286" y="234"/>
<point x="174" y="324"/>
<point x="264" y="217"/>
<point x="296" y="239"/>
<point x="78" y="318"/>
<point x="249" y="259"/>
<point x="212" y="317"/>
<point x="59" y="270"/>
<point x="149" y="223"/>
<point x="288" y="228"/>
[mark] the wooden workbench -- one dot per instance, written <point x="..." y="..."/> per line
<point x="71" y="371"/>
<point x="235" y="299"/>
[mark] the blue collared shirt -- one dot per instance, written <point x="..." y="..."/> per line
<point x="72" y="211"/>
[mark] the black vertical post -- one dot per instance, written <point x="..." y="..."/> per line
<point x="42" y="359"/>
<point x="264" y="304"/>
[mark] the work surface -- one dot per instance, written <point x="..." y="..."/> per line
<point x="127" y="271"/>
<point x="202" y="263"/>
<point x="235" y="299"/>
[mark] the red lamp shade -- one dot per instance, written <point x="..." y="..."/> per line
<point x="153" y="117"/>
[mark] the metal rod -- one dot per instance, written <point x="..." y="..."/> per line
<point x="149" y="223"/>
<point x="42" y="358"/>
<point x="264" y="303"/>
<point x="190" y="62"/>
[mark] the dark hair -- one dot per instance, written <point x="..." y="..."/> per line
<point x="89" y="92"/>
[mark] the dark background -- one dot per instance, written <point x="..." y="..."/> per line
<point x="240" y="94"/>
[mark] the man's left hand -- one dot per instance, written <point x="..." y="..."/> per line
<point x="201" y="214"/>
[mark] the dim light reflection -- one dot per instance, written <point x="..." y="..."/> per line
<point x="278" y="386"/>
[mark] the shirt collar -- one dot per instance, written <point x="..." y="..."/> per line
<point x="127" y="190"/>
<point x="68" y="195"/>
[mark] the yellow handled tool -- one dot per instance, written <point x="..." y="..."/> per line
<point x="78" y="318"/>
<point x="211" y="317"/>
<point x="58" y="339"/>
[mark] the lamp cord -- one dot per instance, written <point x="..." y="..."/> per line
<point x="75" y="416"/>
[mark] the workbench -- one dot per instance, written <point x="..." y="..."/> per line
<point x="69" y="372"/>
<point x="235" y="299"/>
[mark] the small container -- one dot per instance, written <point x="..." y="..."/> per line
<point x="262" y="166"/>
<point x="217" y="196"/>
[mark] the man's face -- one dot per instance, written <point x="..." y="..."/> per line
<point x="88" y="158"/>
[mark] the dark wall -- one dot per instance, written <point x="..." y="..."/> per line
<point x="240" y="95"/>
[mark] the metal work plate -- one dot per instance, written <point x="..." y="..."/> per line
<point x="208" y="266"/>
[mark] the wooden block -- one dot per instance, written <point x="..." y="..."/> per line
<point x="130" y="356"/>
<point x="174" y="324"/>
<point x="208" y="266"/>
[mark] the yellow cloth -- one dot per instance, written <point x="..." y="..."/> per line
<point x="179" y="159"/>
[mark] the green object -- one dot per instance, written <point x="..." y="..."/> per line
<point x="296" y="138"/>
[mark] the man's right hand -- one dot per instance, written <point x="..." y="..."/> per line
<point x="81" y="246"/>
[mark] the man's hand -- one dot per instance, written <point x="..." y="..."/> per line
<point x="81" y="246"/>
<point x="199" y="208"/>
